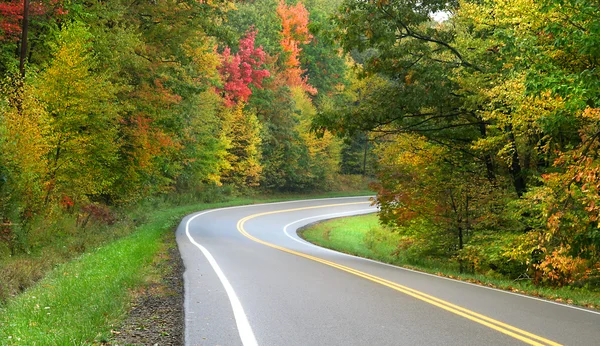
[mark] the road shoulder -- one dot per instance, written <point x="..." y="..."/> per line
<point x="156" y="317"/>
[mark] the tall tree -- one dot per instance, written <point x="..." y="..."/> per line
<point x="243" y="150"/>
<point x="81" y="103"/>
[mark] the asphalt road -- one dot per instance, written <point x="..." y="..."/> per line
<point x="250" y="280"/>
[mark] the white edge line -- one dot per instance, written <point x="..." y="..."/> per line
<point x="349" y="213"/>
<point x="244" y="329"/>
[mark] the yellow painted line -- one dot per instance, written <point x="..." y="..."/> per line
<point x="526" y="337"/>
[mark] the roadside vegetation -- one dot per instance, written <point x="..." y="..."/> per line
<point x="486" y="128"/>
<point x="364" y="236"/>
<point x="83" y="300"/>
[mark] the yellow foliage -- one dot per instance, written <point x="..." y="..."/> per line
<point x="241" y="132"/>
<point x="24" y="151"/>
<point x="324" y="152"/>
<point x="202" y="50"/>
<point x="83" y="117"/>
<point x="522" y="14"/>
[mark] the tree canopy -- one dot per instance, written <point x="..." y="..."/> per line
<point x="481" y="126"/>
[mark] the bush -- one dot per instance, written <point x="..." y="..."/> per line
<point x="350" y="182"/>
<point x="493" y="254"/>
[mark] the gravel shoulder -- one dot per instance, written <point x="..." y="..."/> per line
<point x="156" y="316"/>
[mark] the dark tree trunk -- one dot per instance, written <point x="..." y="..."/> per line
<point x="487" y="159"/>
<point x="364" y="172"/>
<point x="515" y="166"/>
<point x="24" y="33"/>
<point x="460" y="247"/>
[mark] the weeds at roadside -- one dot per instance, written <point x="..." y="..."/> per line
<point x="85" y="293"/>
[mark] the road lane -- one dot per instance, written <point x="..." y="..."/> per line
<point x="293" y="300"/>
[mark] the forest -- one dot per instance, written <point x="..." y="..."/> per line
<point x="116" y="101"/>
<point x="478" y="121"/>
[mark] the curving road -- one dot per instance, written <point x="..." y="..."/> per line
<point x="250" y="280"/>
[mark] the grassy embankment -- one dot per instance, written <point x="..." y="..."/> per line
<point x="79" y="300"/>
<point x="363" y="236"/>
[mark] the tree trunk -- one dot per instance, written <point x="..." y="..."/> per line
<point x="24" y="33"/>
<point x="487" y="159"/>
<point x="460" y="247"/>
<point x="364" y="172"/>
<point x="515" y="165"/>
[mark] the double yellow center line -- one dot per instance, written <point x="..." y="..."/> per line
<point x="504" y="328"/>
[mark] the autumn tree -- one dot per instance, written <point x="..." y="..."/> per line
<point x="242" y="70"/>
<point x="40" y="16"/>
<point x="552" y="97"/>
<point x="24" y="141"/>
<point x="322" y="156"/>
<point x="420" y="80"/>
<point x="294" y="21"/>
<point x="241" y="130"/>
<point x="83" y="117"/>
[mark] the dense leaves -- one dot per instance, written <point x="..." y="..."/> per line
<point x="486" y="125"/>
<point x="241" y="70"/>
<point x="122" y="101"/>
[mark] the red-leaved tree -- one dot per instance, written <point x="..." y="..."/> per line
<point x="240" y="70"/>
<point x="11" y="15"/>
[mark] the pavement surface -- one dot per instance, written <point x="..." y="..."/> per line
<point x="250" y="280"/>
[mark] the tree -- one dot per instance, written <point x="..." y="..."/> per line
<point x="243" y="150"/>
<point x="294" y="20"/>
<point x="83" y="119"/>
<point x="15" y="20"/>
<point x="323" y="152"/>
<point x="24" y="142"/>
<point x="425" y="183"/>
<point x="545" y="49"/>
<point x="241" y="70"/>
<point x="321" y="57"/>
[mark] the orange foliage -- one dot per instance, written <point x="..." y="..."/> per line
<point x="294" y="20"/>
<point x="560" y="269"/>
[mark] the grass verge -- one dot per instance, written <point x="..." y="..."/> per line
<point x="77" y="302"/>
<point x="75" y="299"/>
<point x="363" y="236"/>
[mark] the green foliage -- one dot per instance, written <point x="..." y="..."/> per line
<point x="502" y="93"/>
<point x="323" y="153"/>
<point x="83" y="116"/>
<point x="203" y="154"/>
<point x="262" y="15"/>
<point x="325" y="67"/>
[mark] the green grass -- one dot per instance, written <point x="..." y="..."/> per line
<point x="351" y="235"/>
<point x="363" y="236"/>
<point x="71" y="304"/>
<point x="78" y="301"/>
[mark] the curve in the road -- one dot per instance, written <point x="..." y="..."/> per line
<point x="528" y="338"/>
<point x="340" y="299"/>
